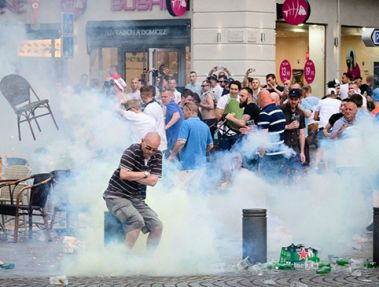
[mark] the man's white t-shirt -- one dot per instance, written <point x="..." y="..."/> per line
<point x="140" y="125"/>
<point x="326" y="108"/>
<point x="154" y="110"/>
<point x="177" y="96"/>
<point x="217" y="92"/>
<point x="222" y="102"/>
<point x="344" y="91"/>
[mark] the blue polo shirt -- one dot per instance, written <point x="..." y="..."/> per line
<point x="173" y="131"/>
<point x="197" y="136"/>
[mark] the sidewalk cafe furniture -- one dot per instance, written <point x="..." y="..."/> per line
<point x="17" y="92"/>
<point x="39" y="191"/>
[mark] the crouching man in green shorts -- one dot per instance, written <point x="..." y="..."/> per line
<point x="140" y="166"/>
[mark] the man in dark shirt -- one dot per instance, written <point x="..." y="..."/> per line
<point x="140" y="165"/>
<point x="294" y="129"/>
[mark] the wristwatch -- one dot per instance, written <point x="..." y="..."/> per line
<point x="146" y="173"/>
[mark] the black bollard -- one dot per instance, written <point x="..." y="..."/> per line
<point x="254" y="235"/>
<point x="113" y="231"/>
<point x="376" y="235"/>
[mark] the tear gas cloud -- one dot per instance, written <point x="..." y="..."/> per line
<point x="202" y="223"/>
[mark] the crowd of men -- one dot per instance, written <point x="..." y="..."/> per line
<point x="214" y="117"/>
<point x="291" y="115"/>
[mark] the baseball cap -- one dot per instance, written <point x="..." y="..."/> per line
<point x="294" y="93"/>
<point x="212" y="77"/>
<point x="375" y="95"/>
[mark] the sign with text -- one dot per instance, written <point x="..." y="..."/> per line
<point x="67" y="46"/>
<point x="296" y="12"/>
<point x="309" y="71"/>
<point x="177" y="8"/>
<point x="370" y="37"/>
<point x="77" y="7"/>
<point x="137" y="5"/>
<point x="285" y="71"/>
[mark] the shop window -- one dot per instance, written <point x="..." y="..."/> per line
<point x="296" y="44"/>
<point x="356" y="58"/>
<point x="46" y="48"/>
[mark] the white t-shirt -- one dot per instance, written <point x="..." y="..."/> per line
<point x="217" y="92"/>
<point x="140" y="125"/>
<point x="222" y="102"/>
<point x="154" y="110"/>
<point x="177" y="96"/>
<point x="326" y="108"/>
<point x="344" y="91"/>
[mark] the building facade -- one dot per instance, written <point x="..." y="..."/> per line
<point x="138" y="35"/>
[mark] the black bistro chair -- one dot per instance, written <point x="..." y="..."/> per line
<point x="35" y="206"/>
<point x="16" y="90"/>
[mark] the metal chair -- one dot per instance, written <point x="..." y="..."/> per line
<point x="35" y="206"/>
<point x="14" y="173"/>
<point x="16" y="90"/>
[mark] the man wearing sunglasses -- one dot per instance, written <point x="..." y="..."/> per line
<point x="140" y="166"/>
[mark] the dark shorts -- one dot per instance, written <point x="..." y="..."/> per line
<point x="133" y="214"/>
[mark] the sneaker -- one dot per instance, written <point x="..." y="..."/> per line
<point x="370" y="227"/>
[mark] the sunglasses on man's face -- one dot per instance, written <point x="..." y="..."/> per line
<point x="204" y="86"/>
<point x="149" y="148"/>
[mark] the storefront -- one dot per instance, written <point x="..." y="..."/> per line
<point x="139" y="46"/>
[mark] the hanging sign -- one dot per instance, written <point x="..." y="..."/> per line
<point x="296" y="12"/>
<point x="309" y="71"/>
<point x="177" y="8"/>
<point x="285" y="71"/>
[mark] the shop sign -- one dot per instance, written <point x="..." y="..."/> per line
<point x="16" y="6"/>
<point x="35" y="11"/>
<point x="138" y="32"/>
<point x="137" y="5"/>
<point x="285" y="71"/>
<point x="77" y="7"/>
<point x="67" y="46"/>
<point x="296" y="12"/>
<point x="177" y="8"/>
<point x="309" y="71"/>
<point x="370" y="37"/>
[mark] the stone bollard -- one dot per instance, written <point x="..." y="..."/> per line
<point x="254" y="235"/>
<point x="113" y="231"/>
<point x="376" y="236"/>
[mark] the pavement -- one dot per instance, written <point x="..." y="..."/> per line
<point x="37" y="260"/>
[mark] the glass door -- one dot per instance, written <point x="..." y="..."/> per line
<point x="170" y="57"/>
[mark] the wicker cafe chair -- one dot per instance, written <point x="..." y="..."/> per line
<point x="35" y="206"/>
<point x="9" y="161"/>
<point x="17" y="92"/>
<point x="14" y="173"/>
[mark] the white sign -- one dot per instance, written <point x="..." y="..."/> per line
<point x="370" y="37"/>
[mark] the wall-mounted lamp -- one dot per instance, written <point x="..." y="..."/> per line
<point x="336" y="42"/>
<point x="218" y="37"/>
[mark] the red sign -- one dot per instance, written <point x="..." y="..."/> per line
<point x="137" y="5"/>
<point x="77" y="7"/>
<point x="177" y="8"/>
<point x="285" y="71"/>
<point x="16" y="6"/>
<point x="296" y="12"/>
<point x="35" y="10"/>
<point x="309" y="71"/>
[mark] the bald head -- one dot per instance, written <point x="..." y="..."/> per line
<point x="264" y="98"/>
<point x="152" y="137"/>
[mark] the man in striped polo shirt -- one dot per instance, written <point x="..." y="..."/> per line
<point x="271" y="119"/>
<point x="140" y="165"/>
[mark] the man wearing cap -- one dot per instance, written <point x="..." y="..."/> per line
<point x="294" y="136"/>
<point x="375" y="98"/>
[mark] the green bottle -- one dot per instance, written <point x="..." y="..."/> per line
<point x="342" y="262"/>
<point x="324" y="270"/>
<point x="7" y="265"/>
<point x="324" y="264"/>
<point x="369" y="264"/>
<point x="283" y="266"/>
